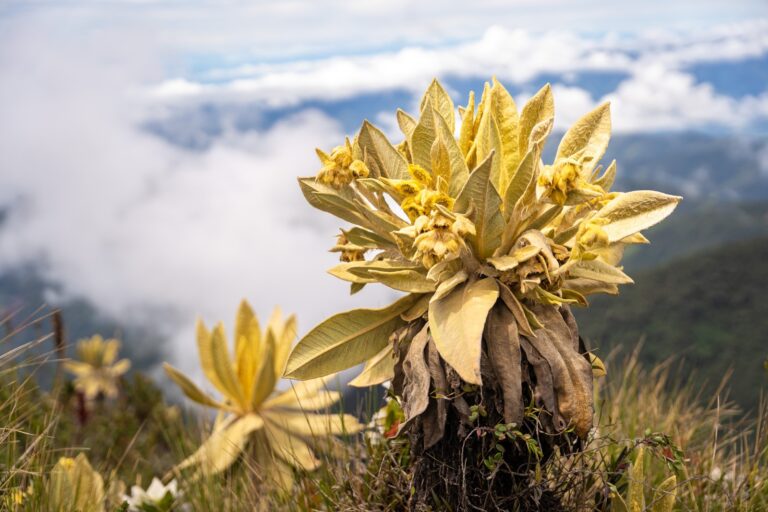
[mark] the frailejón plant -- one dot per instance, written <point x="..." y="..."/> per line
<point x="491" y="247"/>
<point x="96" y="372"/>
<point x="75" y="486"/>
<point x="278" y="426"/>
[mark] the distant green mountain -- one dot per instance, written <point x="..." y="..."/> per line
<point x="708" y="309"/>
<point x="697" y="226"/>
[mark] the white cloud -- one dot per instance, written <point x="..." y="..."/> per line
<point x="658" y="93"/>
<point x="136" y="225"/>
<point x="658" y="98"/>
<point x="512" y="55"/>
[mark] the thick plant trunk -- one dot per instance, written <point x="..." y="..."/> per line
<point x="477" y="447"/>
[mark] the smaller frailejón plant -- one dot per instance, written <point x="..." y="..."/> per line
<point x="96" y="372"/>
<point x="75" y="486"/>
<point x="278" y="426"/>
<point x="491" y="247"/>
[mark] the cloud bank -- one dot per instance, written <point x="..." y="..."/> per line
<point x="657" y="93"/>
<point x="136" y="225"/>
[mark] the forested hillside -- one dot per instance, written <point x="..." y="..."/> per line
<point x="709" y="309"/>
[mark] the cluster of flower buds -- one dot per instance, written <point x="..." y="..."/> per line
<point x="418" y="195"/>
<point x="439" y="236"/>
<point x="536" y="261"/>
<point x="349" y="251"/>
<point x="564" y="178"/>
<point x="590" y="235"/>
<point x="340" y="167"/>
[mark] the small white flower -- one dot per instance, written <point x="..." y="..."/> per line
<point x="152" y="496"/>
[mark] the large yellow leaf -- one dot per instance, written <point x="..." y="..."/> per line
<point x="190" y="389"/>
<point x="664" y="497"/>
<point x="634" y="211"/>
<point x="539" y="108"/>
<point x="367" y="238"/>
<point x="441" y="164"/>
<point x="467" y="130"/>
<point x="636" y="488"/>
<point x="342" y="271"/>
<point x="418" y="310"/>
<point x="400" y="276"/>
<point x="77" y="367"/>
<point x="284" y="344"/>
<point x="599" y="271"/>
<point x="483" y="106"/>
<point x="481" y="197"/>
<point x="247" y="325"/>
<point x="111" y="347"/>
<point x="378" y="369"/>
<point x="222" y="365"/>
<point x="590" y="287"/>
<point x="449" y="284"/>
<point x="606" y="180"/>
<point x="331" y="201"/>
<point x="459" y="171"/>
<point x="266" y="376"/>
<point x="540" y="133"/>
<point x="204" y="347"/>
<point x="308" y="395"/>
<point x="73" y="486"/>
<point x="441" y="102"/>
<point x="224" y="445"/>
<point x="345" y="340"/>
<point x="611" y="254"/>
<point x="247" y="341"/>
<point x="588" y="138"/>
<point x="381" y="154"/>
<point x="423" y="137"/>
<point x="406" y="122"/>
<point x="487" y="141"/>
<point x="311" y="425"/>
<point x="506" y="118"/>
<point x="409" y="281"/>
<point x="290" y="448"/>
<point x="520" y="181"/>
<point x="381" y="222"/>
<point x="363" y="267"/>
<point x="456" y="323"/>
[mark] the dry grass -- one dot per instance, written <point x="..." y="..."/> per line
<point x="719" y="455"/>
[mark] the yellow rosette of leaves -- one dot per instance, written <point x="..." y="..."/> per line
<point x="96" y="371"/>
<point x="279" y="426"/>
<point x="491" y="247"/>
<point x="75" y="486"/>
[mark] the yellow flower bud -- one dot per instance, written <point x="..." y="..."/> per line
<point x="412" y="208"/>
<point x="405" y="188"/>
<point x="463" y="226"/>
<point x="590" y="235"/>
<point x="349" y="251"/>
<point x="340" y="168"/>
<point x="342" y="155"/>
<point x="430" y="198"/>
<point x="420" y="174"/>
<point x="560" y="179"/>
<point x="438" y="239"/>
<point x="359" y="169"/>
<point x="440" y="221"/>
